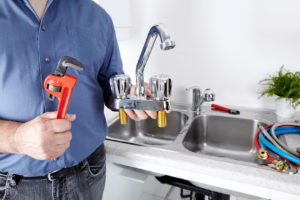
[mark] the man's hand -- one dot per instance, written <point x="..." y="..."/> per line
<point x="142" y="114"/>
<point x="44" y="137"/>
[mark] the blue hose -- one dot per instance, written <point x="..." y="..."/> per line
<point x="280" y="131"/>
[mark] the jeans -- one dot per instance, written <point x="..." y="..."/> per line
<point x="86" y="183"/>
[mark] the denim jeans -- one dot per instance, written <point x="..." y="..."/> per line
<point x="86" y="183"/>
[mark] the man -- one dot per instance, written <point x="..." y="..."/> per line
<point x="34" y="35"/>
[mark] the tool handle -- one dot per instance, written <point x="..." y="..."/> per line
<point x="220" y="107"/>
<point x="64" y="103"/>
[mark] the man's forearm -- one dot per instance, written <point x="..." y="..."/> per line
<point x="7" y="136"/>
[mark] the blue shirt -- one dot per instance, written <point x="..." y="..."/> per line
<point x="30" y="50"/>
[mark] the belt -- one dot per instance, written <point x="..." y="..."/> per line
<point x="51" y="176"/>
<point x="59" y="173"/>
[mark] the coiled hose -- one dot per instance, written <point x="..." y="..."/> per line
<point x="267" y="138"/>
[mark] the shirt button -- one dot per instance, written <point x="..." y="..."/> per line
<point x="47" y="60"/>
<point x="43" y="28"/>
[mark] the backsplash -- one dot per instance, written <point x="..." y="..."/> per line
<point x="228" y="46"/>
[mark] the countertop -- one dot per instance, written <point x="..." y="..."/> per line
<point x="219" y="174"/>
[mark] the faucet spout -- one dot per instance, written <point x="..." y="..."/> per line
<point x="166" y="44"/>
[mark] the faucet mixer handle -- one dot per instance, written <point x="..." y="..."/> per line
<point x="161" y="86"/>
<point x="200" y="97"/>
<point x="208" y="95"/>
<point x="120" y="86"/>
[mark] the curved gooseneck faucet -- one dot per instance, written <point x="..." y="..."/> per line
<point x="161" y="85"/>
<point x="166" y="44"/>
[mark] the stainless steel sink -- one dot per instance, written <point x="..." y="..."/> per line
<point x="212" y="133"/>
<point x="146" y="132"/>
<point x="222" y="136"/>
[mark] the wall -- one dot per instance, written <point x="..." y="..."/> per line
<point x="120" y="12"/>
<point x="227" y="45"/>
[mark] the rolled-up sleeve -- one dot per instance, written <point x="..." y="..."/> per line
<point x="112" y="64"/>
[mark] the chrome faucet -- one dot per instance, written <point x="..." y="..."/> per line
<point x="161" y="85"/>
<point x="199" y="98"/>
<point x="166" y="44"/>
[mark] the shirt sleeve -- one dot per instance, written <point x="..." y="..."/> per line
<point x="112" y="64"/>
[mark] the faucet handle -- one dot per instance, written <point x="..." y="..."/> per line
<point x="208" y="95"/>
<point x="120" y="85"/>
<point x="161" y="86"/>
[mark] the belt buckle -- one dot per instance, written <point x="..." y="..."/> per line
<point x="50" y="178"/>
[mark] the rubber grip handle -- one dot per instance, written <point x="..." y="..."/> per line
<point x="220" y="107"/>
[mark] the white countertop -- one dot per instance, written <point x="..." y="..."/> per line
<point x="208" y="171"/>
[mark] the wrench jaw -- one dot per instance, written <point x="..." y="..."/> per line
<point x="55" y="83"/>
<point x="65" y="62"/>
<point x="54" y="89"/>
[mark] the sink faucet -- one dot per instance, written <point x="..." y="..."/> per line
<point x="160" y="84"/>
<point x="200" y="97"/>
<point x="166" y="44"/>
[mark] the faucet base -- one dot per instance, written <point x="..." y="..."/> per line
<point x="142" y="104"/>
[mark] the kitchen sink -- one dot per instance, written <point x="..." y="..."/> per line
<point x="147" y="132"/>
<point x="209" y="132"/>
<point x="223" y="136"/>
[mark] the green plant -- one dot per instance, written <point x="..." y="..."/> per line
<point x="284" y="84"/>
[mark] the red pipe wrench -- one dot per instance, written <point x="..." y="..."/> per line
<point x="60" y="85"/>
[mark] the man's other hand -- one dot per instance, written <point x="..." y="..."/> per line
<point x="44" y="137"/>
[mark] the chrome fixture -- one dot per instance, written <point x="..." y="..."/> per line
<point x="121" y="84"/>
<point x="199" y="98"/>
<point x="161" y="85"/>
<point x="166" y="44"/>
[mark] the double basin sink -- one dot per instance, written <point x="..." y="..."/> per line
<point x="209" y="132"/>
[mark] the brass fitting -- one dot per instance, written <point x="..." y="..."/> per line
<point x="123" y="116"/>
<point x="280" y="165"/>
<point x="161" y="119"/>
<point x="262" y="154"/>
